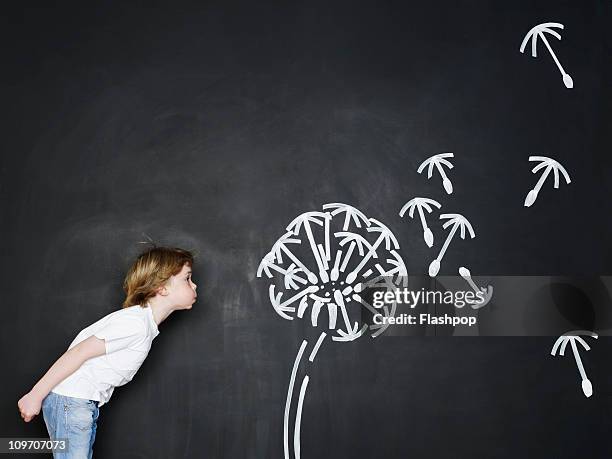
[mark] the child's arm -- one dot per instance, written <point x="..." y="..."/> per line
<point x="29" y="405"/>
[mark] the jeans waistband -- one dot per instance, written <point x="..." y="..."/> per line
<point x="55" y="394"/>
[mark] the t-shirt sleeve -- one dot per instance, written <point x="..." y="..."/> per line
<point x="121" y="333"/>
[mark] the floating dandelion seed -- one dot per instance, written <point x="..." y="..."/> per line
<point x="572" y="337"/>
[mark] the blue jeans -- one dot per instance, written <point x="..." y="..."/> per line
<point x="73" y="419"/>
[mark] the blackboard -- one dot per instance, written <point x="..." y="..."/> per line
<point x="211" y="126"/>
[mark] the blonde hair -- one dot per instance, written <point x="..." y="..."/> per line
<point x="150" y="271"/>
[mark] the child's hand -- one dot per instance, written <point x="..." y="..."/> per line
<point x="29" y="406"/>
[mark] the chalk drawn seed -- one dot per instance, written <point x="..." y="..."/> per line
<point x="385" y="236"/>
<point x="550" y="165"/>
<point x="572" y="337"/>
<point x="421" y="203"/>
<point x="303" y="221"/>
<point x="438" y="161"/>
<point x="540" y="31"/>
<point x="354" y="240"/>
<point x="290" y="274"/>
<point x="350" y="214"/>
<point x="487" y="292"/>
<point x="458" y="222"/>
<point x="282" y="246"/>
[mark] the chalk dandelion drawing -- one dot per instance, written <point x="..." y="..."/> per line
<point x="550" y="165"/>
<point x="539" y="31"/>
<point x="320" y="268"/>
<point x="572" y="337"/>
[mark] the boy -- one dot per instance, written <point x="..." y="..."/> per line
<point x="109" y="352"/>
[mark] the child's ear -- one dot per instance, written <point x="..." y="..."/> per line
<point x="163" y="291"/>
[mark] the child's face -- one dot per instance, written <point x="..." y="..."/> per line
<point x="182" y="289"/>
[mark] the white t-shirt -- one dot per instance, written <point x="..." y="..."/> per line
<point x="127" y="334"/>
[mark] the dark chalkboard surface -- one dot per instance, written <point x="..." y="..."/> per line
<point x="212" y="126"/>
